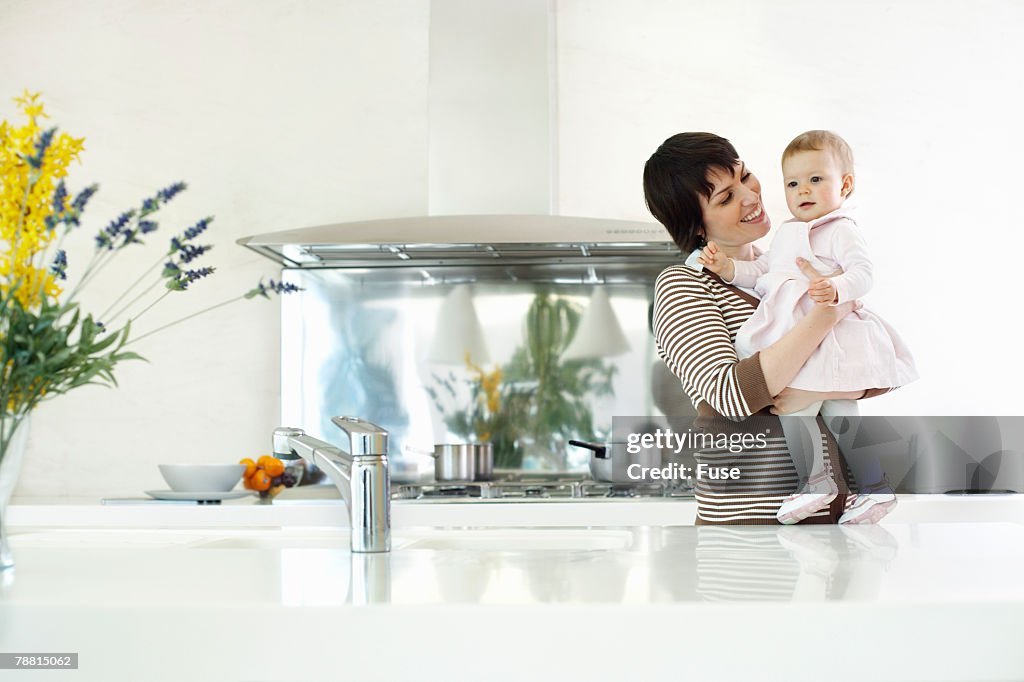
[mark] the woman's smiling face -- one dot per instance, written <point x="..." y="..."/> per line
<point x="734" y="215"/>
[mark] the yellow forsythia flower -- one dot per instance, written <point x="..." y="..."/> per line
<point x="26" y="201"/>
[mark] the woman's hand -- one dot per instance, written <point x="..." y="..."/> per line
<point x="823" y="293"/>
<point x="820" y="288"/>
<point x="793" y="400"/>
<point x="831" y="314"/>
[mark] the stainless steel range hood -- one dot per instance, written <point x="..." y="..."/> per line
<point x="469" y="240"/>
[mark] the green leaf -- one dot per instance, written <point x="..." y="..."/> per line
<point x="104" y="343"/>
<point x="127" y="355"/>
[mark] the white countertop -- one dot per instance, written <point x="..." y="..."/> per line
<point x="312" y="509"/>
<point x="89" y="512"/>
<point x="244" y="591"/>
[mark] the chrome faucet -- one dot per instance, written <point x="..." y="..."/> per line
<point x="361" y="475"/>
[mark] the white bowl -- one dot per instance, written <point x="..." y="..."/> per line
<point x="205" y="478"/>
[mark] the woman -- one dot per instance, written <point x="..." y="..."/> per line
<point x="698" y="188"/>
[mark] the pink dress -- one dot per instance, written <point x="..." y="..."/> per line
<point x="862" y="351"/>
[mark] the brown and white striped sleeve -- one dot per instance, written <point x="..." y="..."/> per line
<point x="695" y="328"/>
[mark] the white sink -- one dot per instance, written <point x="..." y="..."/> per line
<point x="106" y="538"/>
<point x="434" y="539"/>
<point x="438" y="539"/>
<point x="516" y="540"/>
<point x="277" y="539"/>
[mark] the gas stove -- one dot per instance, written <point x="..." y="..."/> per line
<point x="524" y="486"/>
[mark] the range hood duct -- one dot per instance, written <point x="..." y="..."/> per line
<point x="492" y="167"/>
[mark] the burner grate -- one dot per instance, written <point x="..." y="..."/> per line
<point x="536" y="487"/>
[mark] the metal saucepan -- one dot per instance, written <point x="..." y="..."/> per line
<point x="463" y="462"/>
<point x="600" y="459"/>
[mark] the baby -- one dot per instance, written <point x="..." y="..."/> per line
<point x="862" y="351"/>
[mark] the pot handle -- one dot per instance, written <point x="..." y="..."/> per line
<point x="415" y="450"/>
<point x="600" y="451"/>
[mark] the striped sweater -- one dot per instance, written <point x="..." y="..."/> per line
<point x="696" y="317"/>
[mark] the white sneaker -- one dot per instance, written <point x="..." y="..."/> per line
<point x="817" y="494"/>
<point x="870" y="507"/>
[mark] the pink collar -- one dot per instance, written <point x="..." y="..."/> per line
<point x="844" y="211"/>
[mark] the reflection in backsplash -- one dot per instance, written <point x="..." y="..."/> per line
<point x="529" y="405"/>
<point x="524" y="365"/>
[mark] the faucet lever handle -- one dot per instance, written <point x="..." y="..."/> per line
<point x="365" y="438"/>
<point x="282" y="448"/>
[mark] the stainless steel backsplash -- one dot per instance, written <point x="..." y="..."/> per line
<point x="366" y="343"/>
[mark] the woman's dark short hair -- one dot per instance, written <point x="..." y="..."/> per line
<point x="676" y="176"/>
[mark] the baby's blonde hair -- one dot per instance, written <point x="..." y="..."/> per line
<point x="820" y="141"/>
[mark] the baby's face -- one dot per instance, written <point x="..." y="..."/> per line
<point x="815" y="185"/>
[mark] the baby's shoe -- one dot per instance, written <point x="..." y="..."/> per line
<point x="817" y="494"/>
<point x="871" y="504"/>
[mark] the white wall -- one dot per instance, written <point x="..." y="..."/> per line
<point x="927" y="93"/>
<point x="285" y="114"/>
<point x="279" y="115"/>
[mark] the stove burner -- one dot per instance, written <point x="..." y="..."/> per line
<point x="621" y="491"/>
<point x="452" y="491"/>
<point x="537" y="486"/>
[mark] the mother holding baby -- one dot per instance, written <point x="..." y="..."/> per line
<point x="696" y="185"/>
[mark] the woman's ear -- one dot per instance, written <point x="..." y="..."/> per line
<point x="847" y="188"/>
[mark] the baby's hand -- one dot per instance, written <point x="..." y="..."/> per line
<point x="717" y="262"/>
<point x="822" y="290"/>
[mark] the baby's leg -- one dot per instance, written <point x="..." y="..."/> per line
<point x="803" y="438"/>
<point x="865" y="465"/>
<point x="817" y="490"/>
<point x="875" y="496"/>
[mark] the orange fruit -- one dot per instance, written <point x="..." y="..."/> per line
<point x="258" y="481"/>
<point x="264" y="460"/>
<point x="250" y="466"/>
<point x="247" y="479"/>
<point x="274" y="467"/>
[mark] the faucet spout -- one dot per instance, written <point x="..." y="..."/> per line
<point x="361" y="475"/>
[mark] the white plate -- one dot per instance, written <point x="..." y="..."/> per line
<point x="198" y="497"/>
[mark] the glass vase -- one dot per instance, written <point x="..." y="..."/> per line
<point x="13" y="441"/>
